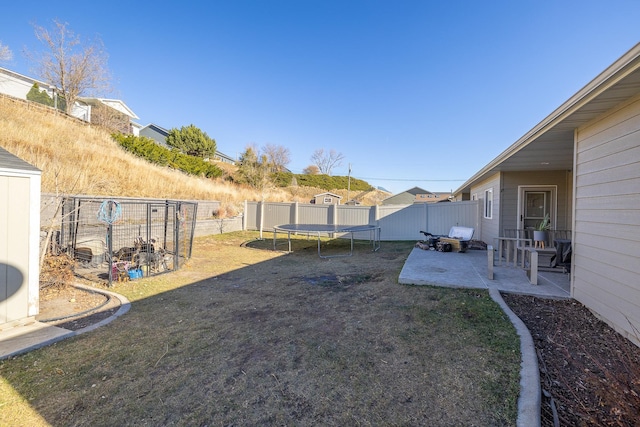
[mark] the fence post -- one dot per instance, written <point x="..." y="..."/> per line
<point x="295" y="212"/>
<point x="261" y="212"/>
<point x="426" y="216"/>
<point x="532" y="273"/>
<point x="244" y="217"/>
<point x="490" y="261"/>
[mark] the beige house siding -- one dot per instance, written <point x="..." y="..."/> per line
<point x="489" y="228"/>
<point x="562" y="180"/>
<point x="607" y="218"/>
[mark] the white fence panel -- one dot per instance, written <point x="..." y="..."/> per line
<point x="402" y="222"/>
<point x="251" y="217"/>
<point x="397" y="222"/>
<point x="315" y="214"/>
<point x="356" y="215"/>
<point x="277" y="214"/>
<point x="442" y="216"/>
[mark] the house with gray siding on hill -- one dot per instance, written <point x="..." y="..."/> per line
<point x="159" y="135"/>
<point x="580" y="165"/>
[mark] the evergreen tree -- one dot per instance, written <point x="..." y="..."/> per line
<point x="192" y="141"/>
<point x="36" y="95"/>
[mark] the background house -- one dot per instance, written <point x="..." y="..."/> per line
<point x="326" y="199"/>
<point x="581" y="165"/>
<point x="415" y="195"/>
<point x="155" y="132"/>
<point x="113" y="114"/>
<point x="19" y="240"/>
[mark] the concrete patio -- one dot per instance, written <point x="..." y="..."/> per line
<point x="470" y="270"/>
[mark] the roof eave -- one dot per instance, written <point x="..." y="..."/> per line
<point x="626" y="64"/>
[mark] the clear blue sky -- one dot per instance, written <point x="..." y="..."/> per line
<point x="412" y="93"/>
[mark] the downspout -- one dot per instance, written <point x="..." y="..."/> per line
<point x="573" y="210"/>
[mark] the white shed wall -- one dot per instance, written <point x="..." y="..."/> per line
<point x="19" y="245"/>
<point x="606" y="238"/>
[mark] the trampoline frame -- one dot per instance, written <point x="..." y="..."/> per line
<point x="330" y="230"/>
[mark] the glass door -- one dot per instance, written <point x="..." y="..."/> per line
<point x="536" y="206"/>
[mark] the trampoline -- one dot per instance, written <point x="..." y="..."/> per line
<point x="330" y="230"/>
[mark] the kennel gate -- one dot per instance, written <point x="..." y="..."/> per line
<point x="126" y="238"/>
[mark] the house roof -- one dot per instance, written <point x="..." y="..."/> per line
<point x="417" y="190"/>
<point x="224" y="156"/>
<point x="412" y="191"/>
<point x="158" y="129"/>
<point x="11" y="162"/>
<point x="328" y="194"/>
<point x="549" y="145"/>
<point x="30" y="80"/>
<point x="116" y="104"/>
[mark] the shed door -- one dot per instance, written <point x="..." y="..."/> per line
<point x="14" y="248"/>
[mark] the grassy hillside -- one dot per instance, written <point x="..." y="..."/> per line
<point x="79" y="159"/>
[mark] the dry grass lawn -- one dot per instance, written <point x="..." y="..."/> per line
<point x="244" y="335"/>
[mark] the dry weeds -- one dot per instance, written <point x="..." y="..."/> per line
<point x="244" y="335"/>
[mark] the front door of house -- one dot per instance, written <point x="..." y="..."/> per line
<point x="534" y="204"/>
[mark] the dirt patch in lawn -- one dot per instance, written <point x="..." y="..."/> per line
<point x="74" y="308"/>
<point x="590" y="375"/>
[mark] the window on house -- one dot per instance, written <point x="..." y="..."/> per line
<point x="328" y="200"/>
<point x="474" y="196"/>
<point x="488" y="203"/>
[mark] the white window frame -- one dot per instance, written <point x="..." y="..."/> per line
<point x="488" y="203"/>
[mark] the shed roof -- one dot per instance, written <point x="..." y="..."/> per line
<point x="12" y="162"/>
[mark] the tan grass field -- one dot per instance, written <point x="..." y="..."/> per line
<point x="76" y="158"/>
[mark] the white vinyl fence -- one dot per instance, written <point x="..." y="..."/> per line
<point x="397" y="222"/>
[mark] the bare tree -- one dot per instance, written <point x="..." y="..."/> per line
<point x="5" y="53"/>
<point x="75" y="69"/>
<point x="254" y="170"/>
<point x="277" y="156"/>
<point x="326" y="161"/>
<point x="311" y="170"/>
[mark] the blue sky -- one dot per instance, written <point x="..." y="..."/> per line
<point x="412" y="93"/>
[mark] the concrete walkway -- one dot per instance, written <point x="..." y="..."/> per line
<point x="470" y="270"/>
<point x="30" y="336"/>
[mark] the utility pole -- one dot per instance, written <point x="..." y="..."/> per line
<point x="349" y="183"/>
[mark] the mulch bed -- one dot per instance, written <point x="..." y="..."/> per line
<point x="590" y="374"/>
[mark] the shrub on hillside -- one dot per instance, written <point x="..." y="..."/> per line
<point x="327" y="182"/>
<point x="152" y="152"/>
